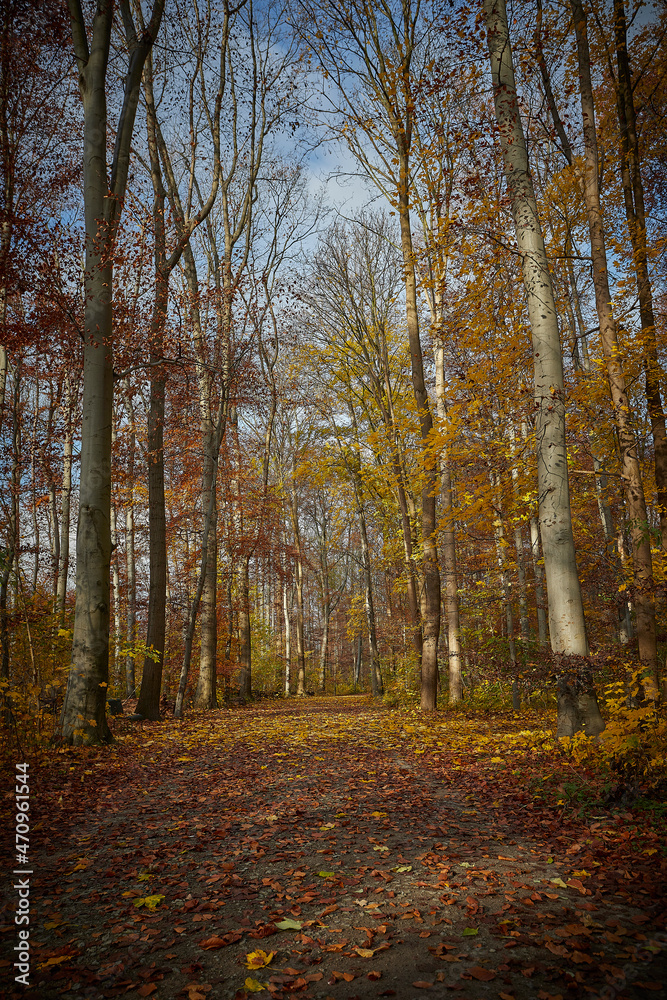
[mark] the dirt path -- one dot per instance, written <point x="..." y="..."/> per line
<point x="396" y="879"/>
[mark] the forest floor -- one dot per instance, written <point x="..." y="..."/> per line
<point x="332" y="849"/>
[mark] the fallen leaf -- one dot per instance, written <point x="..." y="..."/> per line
<point x="470" y="931"/>
<point x="479" y="972"/>
<point x="289" y="925"/>
<point x="53" y="961"/>
<point x="150" y="902"/>
<point x="253" y="985"/>
<point x="258" y="959"/>
<point x="421" y="985"/>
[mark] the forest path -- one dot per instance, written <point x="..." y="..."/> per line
<point x="375" y="833"/>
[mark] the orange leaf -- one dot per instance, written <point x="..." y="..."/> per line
<point x="146" y="989"/>
<point x="479" y="972"/>
<point x="421" y="985"/>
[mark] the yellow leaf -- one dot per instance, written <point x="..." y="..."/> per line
<point x="53" y="961"/>
<point x="581" y="874"/>
<point x="253" y="986"/>
<point x="258" y="959"/>
<point x="150" y="902"/>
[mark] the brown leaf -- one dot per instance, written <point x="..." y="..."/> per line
<point x="146" y="989"/>
<point x="479" y="972"/>
<point x="579" y="957"/>
<point x="374" y="976"/>
<point x="421" y="985"/>
<point x="220" y="942"/>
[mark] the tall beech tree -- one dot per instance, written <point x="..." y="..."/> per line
<point x="635" y="501"/>
<point x="187" y="217"/>
<point x="84" y="715"/>
<point x="577" y="706"/>
<point x="630" y="163"/>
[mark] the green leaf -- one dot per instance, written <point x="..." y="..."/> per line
<point x="470" y="931"/>
<point x="402" y="868"/>
<point x="326" y="874"/>
<point x="289" y="925"/>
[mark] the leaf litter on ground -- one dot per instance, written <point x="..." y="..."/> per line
<point x="292" y="820"/>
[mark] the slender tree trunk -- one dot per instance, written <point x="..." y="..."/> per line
<point x="65" y="500"/>
<point x="448" y="544"/>
<point x="205" y="694"/>
<point x="376" y="675"/>
<point x="115" y="576"/>
<point x="130" y="682"/>
<point x="566" y="617"/>
<point x="288" y="638"/>
<point x="631" y="471"/>
<point x="207" y="535"/>
<point x="506" y="588"/>
<point x="538" y="577"/>
<point x="151" y="682"/>
<point x="84" y="715"/>
<point x="300" y="648"/>
<point x="9" y="555"/>
<point x="430" y="565"/>
<point x="245" y="636"/>
<point x="324" y="648"/>
<point x="635" y="213"/>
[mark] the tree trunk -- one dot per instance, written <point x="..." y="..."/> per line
<point x="538" y="577"/>
<point x="116" y="599"/>
<point x="506" y="588"/>
<point x="8" y="557"/>
<point x="633" y="196"/>
<point x="300" y="649"/>
<point x="130" y="682"/>
<point x="430" y="566"/>
<point x="448" y="544"/>
<point x="205" y="694"/>
<point x="630" y="468"/>
<point x="65" y="499"/>
<point x="376" y="675"/>
<point x="84" y="716"/>
<point x="324" y="648"/>
<point x="288" y="639"/>
<point x="566" y="616"/>
<point x="245" y="636"/>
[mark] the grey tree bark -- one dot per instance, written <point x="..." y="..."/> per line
<point x="566" y="617"/>
<point x="84" y="716"/>
<point x="642" y="567"/>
